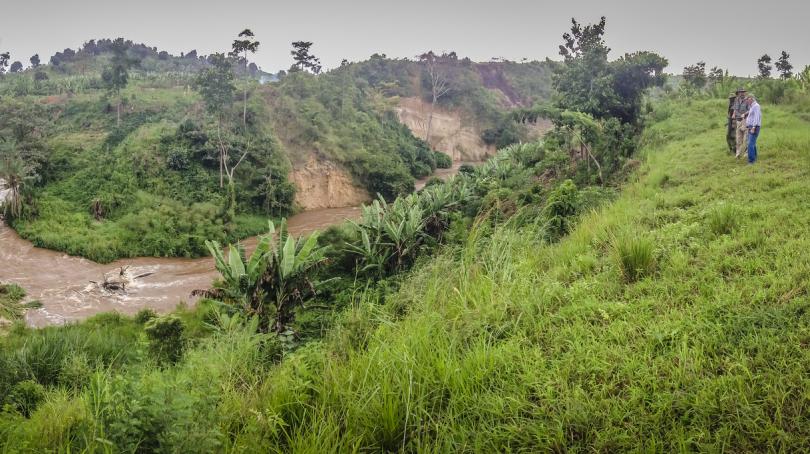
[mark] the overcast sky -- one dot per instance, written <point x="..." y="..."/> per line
<point x="729" y="34"/>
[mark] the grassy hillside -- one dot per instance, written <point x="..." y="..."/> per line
<point x="676" y="318"/>
<point x="150" y="185"/>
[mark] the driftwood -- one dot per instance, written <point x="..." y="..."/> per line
<point x="118" y="282"/>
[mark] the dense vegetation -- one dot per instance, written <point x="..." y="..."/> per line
<point x="117" y="149"/>
<point x="569" y="294"/>
<point x="671" y="319"/>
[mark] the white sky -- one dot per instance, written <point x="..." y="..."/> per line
<point x="729" y="34"/>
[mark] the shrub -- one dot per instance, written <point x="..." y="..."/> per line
<point x="433" y="181"/>
<point x="442" y="160"/>
<point x="26" y="396"/>
<point x="166" y="341"/>
<point x="561" y="207"/>
<point x="723" y="219"/>
<point x="500" y="204"/>
<point x="145" y="315"/>
<point x="157" y="414"/>
<point x="75" y="371"/>
<point x="635" y="256"/>
<point x="466" y="169"/>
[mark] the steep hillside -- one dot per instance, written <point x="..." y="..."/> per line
<point x="675" y="318"/>
<point x="152" y="184"/>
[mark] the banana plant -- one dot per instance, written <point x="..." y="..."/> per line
<point x="269" y="284"/>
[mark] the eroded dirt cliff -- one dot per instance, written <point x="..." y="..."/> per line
<point x="448" y="132"/>
<point x="321" y="183"/>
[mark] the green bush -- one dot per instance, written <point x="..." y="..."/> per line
<point x="166" y="338"/>
<point x="145" y="315"/>
<point x="157" y="414"/>
<point x="443" y="161"/>
<point x="561" y="207"/>
<point x="25" y="396"/>
<point x="466" y="169"/>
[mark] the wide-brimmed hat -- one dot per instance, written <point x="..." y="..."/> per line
<point x="741" y="90"/>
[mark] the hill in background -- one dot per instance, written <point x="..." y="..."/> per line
<point x="151" y="184"/>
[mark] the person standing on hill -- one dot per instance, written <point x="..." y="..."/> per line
<point x="753" y="123"/>
<point x="731" y="130"/>
<point x="740" y="111"/>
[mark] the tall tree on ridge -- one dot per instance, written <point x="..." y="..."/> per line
<point x="764" y="66"/>
<point x="4" y="58"/>
<point x="34" y="61"/>
<point x="439" y="85"/>
<point x="784" y="67"/>
<point x="695" y="75"/>
<point x="588" y="82"/>
<point x="215" y="85"/>
<point x="116" y="76"/>
<point x="243" y="46"/>
<point x="303" y="59"/>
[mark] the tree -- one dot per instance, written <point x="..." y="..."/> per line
<point x="34" y="60"/>
<point x="695" y="75"/>
<point x="303" y="59"/>
<point x="587" y="82"/>
<point x="439" y="85"/>
<point x="279" y="272"/>
<point x="116" y="76"/>
<point x="215" y="85"/>
<point x="784" y="67"/>
<point x="17" y="174"/>
<point x="632" y="75"/>
<point x="243" y="46"/>
<point x="804" y="78"/>
<point x="716" y="75"/>
<point x="764" y="66"/>
<point x="4" y="57"/>
<point x="584" y="40"/>
<point x="16" y="67"/>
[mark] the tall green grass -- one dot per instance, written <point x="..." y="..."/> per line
<point x="507" y="343"/>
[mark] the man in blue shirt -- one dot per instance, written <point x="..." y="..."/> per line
<point x="754" y="123"/>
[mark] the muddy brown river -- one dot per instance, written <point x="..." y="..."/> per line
<point x="64" y="283"/>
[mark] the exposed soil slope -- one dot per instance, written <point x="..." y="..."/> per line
<point x="321" y="183"/>
<point x="449" y="133"/>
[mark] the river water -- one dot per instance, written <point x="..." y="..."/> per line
<point x="67" y="285"/>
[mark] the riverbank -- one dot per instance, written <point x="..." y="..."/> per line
<point x="64" y="284"/>
<point x="67" y="286"/>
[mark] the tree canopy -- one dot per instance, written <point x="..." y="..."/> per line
<point x="304" y="60"/>
<point x="784" y="66"/>
<point x="764" y="66"/>
<point x="695" y="75"/>
<point x="589" y="83"/>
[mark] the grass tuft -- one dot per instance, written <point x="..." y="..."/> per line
<point x="723" y="219"/>
<point x="635" y="256"/>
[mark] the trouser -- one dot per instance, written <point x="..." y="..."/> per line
<point x="731" y="135"/>
<point x="742" y="132"/>
<point x="752" y="146"/>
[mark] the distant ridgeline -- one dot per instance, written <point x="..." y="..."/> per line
<point x="130" y="164"/>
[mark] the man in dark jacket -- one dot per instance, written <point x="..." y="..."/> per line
<point x="740" y="112"/>
<point x="731" y="134"/>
